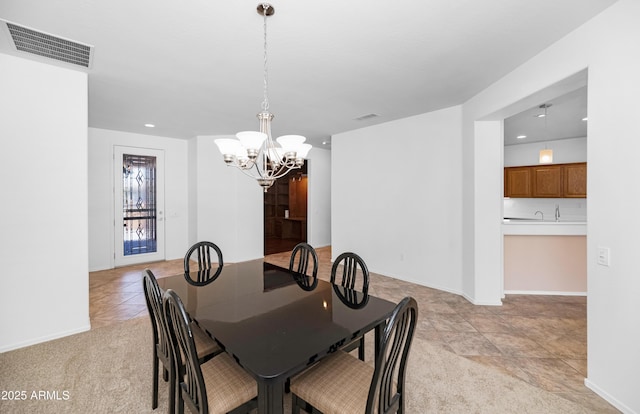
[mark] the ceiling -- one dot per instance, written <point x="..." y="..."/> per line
<point x="195" y="68"/>
<point x="563" y="120"/>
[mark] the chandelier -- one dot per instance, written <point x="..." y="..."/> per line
<point x="255" y="153"/>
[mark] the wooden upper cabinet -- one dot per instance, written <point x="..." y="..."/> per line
<point x="547" y="181"/>
<point x="517" y="182"/>
<point x="575" y="180"/>
<point x="298" y="198"/>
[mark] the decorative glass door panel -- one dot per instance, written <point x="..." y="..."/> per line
<point x="139" y="204"/>
<point x="139" y="200"/>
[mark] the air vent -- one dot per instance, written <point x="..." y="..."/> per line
<point x="365" y="117"/>
<point x="52" y="47"/>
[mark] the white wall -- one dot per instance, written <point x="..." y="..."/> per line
<point x="571" y="209"/>
<point x="396" y="198"/>
<point x="43" y="215"/>
<point x="319" y="198"/>
<point x="101" y="201"/>
<point x="564" y="151"/>
<point x="229" y="205"/>
<point x="607" y="46"/>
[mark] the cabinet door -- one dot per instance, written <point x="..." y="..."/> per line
<point x="547" y="181"/>
<point x="517" y="182"/>
<point x="575" y="180"/>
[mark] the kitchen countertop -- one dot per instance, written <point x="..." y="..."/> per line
<point x="544" y="227"/>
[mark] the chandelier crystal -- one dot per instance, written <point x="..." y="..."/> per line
<point x="255" y="153"/>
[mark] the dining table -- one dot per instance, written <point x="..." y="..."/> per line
<point x="276" y="322"/>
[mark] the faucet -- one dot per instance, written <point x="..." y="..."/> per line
<point x="557" y="211"/>
<point x="541" y="214"/>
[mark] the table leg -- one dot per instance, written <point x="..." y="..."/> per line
<point x="378" y="339"/>
<point x="270" y="396"/>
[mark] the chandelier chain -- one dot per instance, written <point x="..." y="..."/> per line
<point x="265" y="102"/>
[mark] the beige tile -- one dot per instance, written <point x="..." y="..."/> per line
<point x="488" y="323"/>
<point x="517" y="346"/>
<point x="553" y="374"/>
<point x="471" y="344"/>
<point x="449" y="322"/>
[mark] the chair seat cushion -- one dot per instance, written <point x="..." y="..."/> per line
<point x="205" y="345"/>
<point x="228" y="385"/>
<point x="339" y="384"/>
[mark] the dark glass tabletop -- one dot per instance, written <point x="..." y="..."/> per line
<point x="276" y="322"/>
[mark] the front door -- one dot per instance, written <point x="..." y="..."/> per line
<point x="139" y="205"/>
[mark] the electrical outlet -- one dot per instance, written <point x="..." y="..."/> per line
<point x="603" y="256"/>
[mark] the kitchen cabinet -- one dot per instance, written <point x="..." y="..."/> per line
<point x="518" y="182"/>
<point x="575" y="180"/>
<point x="546" y="181"/>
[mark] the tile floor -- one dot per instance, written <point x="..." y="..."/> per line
<point x="539" y="339"/>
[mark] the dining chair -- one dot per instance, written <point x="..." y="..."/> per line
<point x="342" y="384"/>
<point x="351" y="272"/>
<point x="206" y="347"/>
<point x="202" y="254"/>
<point x="219" y="385"/>
<point x="300" y="256"/>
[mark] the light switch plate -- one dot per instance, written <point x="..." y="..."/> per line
<point x="603" y="256"/>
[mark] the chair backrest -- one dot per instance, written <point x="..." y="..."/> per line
<point x="299" y="261"/>
<point x="351" y="298"/>
<point x="153" y="296"/>
<point x="190" y="381"/>
<point x="352" y="267"/>
<point x="201" y="253"/>
<point x="386" y="394"/>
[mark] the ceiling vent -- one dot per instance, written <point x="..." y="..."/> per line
<point x="365" y="117"/>
<point x="42" y="44"/>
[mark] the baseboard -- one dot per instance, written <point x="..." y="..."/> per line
<point x="481" y="303"/>
<point x="543" y="292"/>
<point x="609" y="398"/>
<point x="444" y="289"/>
<point x="46" y="338"/>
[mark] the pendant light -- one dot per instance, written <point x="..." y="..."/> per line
<point x="546" y="155"/>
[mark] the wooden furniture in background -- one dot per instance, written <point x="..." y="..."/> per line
<point x="287" y="194"/>
<point x="276" y="202"/>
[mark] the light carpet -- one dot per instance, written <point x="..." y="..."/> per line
<point x="108" y="370"/>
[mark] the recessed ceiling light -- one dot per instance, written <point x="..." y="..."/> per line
<point x="149" y="125"/>
<point x="585" y="118"/>
<point x="521" y="136"/>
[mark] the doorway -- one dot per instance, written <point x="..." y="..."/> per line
<point x="138" y="205"/>
<point x="539" y="259"/>
<point x="285" y="212"/>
